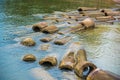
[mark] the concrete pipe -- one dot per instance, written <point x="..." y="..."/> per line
<point x="39" y="26"/>
<point x="94" y="14"/>
<point x="46" y="39"/>
<point x="63" y="40"/>
<point x="105" y="18"/>
<point x="99" y="74"/>
<point x="48" y="61"/>
<point x="29" y="58"/>
<point x="88" y="23"/>
<point x="83" y="67"/>
<point x="113" y="13"/>
<point x="28" y="42"/>
<point x="81" y="9"/>
<point x="50" y="29"/>
<point x="68" y="61"/>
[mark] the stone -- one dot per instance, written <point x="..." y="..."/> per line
<point x="63" y="40"/>
<point x="29" y="57"/>
<point x="50" y="29"/>
<point x="39" y="26"/>
<point x="49" y="60"/>
<point x="28" y="42"/>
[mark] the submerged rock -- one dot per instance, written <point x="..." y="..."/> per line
<point x="46" y="39"/>
<point x="39" y="26"/>
<point x="28" y="42"/>
<point x="49" y="60"/>
<point x="29" y="57"/>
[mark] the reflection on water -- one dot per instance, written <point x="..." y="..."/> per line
<point x="102" y="43"/>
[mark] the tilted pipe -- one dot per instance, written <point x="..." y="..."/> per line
<point x="82" y="64"/>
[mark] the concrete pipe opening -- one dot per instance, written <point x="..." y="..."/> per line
<point x="85" y="69"/>
<point x="36" y="29"/>
<point x="47" y="63"/>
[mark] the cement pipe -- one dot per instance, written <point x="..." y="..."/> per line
<point x="99" y="74"/>
<point x="82" y="64"/>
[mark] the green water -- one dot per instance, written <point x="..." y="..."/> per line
<point x="101" y="44"/>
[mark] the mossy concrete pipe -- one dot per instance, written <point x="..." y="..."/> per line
<point x="68" y="60"/>
<point x="99" y="74"/>
<point x="82" y="64"/>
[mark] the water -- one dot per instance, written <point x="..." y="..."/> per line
<point x="102" y="47"/>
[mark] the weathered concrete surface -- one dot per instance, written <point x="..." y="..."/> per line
<point x="48" y="60"/>
<point x="99" y="74"/>
<point x="28" y="42"/>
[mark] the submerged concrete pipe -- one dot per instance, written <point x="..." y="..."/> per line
<point x="28" y="42"/>
<point x="50" y="29"/>
<point x="82" y="65"/>
<point x="105" y="18"/>
<point x="113" y="13"/>
<point x="99" y="74"/>
<point x="68" y="60"/>
<point x="88" y="23"/>
<point x="46" y="39"/>
<point x="39" y="26"/>
<point x="49" y="60"/>
<point x="63" y="40"/>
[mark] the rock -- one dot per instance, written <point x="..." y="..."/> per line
<point x="82" y="64"/>
<point x="39" y="26"/>
<point x="49" y="60"/>
<point x="45" y="47"/>
<point x="63" y="40"/>
<point x="28" y="42"/>
<point x="50" y="29"/>
<point x="99" y="74"/>
<point x="68" y="61"/>
<point x="29" y="57"/>
<point x="88" y="23"/>
<point x="105" y="18"/>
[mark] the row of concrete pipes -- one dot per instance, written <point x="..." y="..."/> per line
<point x="75" y="59"/>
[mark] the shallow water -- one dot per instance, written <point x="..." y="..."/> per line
<point x="101" y="44"/>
